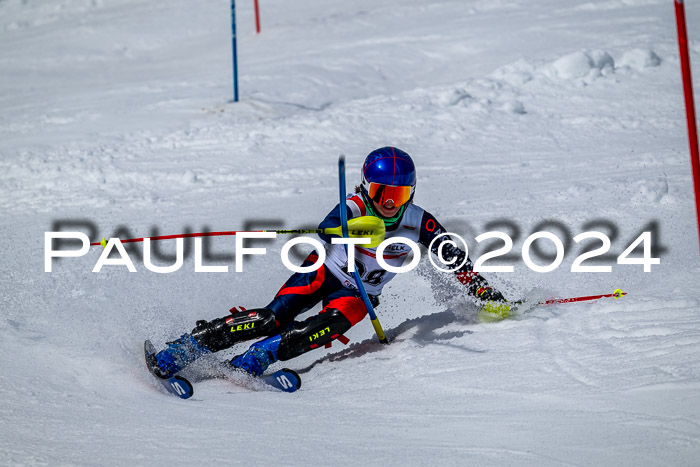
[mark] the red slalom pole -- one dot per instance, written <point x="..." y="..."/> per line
<point x="209" y="234"/>
<point x="168" y="237"/>
<point x="689" y="104"/>
<point x="257" y="17"/>
<point x="363" y="227"/>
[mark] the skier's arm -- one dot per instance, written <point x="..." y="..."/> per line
<point x="476" y="285"/>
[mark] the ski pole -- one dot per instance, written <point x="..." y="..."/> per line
<point x="617" y="293"/>
<point x="361" y="227"/>
<point x="498" y="315"/>
<point x="344" y="224"/>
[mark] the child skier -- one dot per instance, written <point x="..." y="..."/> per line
<point x="387" y="190"/>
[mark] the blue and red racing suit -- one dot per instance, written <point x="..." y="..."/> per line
<point x="336" y="289"/>
<point x="330" y="285"/>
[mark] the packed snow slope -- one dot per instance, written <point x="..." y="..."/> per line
<point x="116" y="120"/>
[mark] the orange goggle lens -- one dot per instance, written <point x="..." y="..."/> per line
<point x="381" y="194"/>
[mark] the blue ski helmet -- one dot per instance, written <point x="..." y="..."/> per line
<point x="388" y="174"/>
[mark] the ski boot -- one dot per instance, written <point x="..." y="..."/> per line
<point x="177" y="355"/>
<point x="298" y="338"/>
<point x="258" y="357"/>
<point x="213" y="336"/>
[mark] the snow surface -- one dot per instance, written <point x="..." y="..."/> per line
<point x="118" y="113"/>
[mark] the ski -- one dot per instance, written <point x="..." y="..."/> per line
<point x="176" y="385"/>
<point x="284" y="380"/>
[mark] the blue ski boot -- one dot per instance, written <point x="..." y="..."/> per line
<point x="179" y="353"/>
<point x="258" y="357"/>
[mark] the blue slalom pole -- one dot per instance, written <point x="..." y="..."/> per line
<point x="344" y="224"/>
<point x="233" y="46"/>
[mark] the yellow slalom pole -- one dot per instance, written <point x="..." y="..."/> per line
<point x="379" y="331"/>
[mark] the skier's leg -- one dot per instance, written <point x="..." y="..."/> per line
<point x="336" y="318"/>
<point x="339" y="315"/>
<point x="301" y="292"/>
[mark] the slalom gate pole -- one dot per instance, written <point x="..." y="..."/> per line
<point x="211" y="234"/>
<point x="363" y="227"/>
<point x="233" y="46"/>
<point x="257" y="17"/>
<point x="689" y="104"/>
<point x="344" y="224"/>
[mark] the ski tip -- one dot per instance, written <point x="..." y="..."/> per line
<point x="176" y="385"/>
<point x="285" y="380"/>
<point x="296" y="375"/>
<point x="180" y="387"/>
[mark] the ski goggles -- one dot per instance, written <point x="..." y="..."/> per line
<point x="382" y="194"/>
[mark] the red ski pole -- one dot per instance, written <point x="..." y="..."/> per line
<point x="616" y="294"/>
<point x="491" y="315"/>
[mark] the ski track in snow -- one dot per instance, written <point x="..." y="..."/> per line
<point x="116" y="113"/>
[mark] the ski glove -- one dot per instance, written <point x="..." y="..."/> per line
<point x="489" y="294"/>
<point x="495" y="311"/>
<point x="495" y="307"/>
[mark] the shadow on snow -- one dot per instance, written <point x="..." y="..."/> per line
<point x="426" y="332"/>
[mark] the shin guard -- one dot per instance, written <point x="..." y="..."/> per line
<point x="222" y="333"/>
<point x="314" y="332"/>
